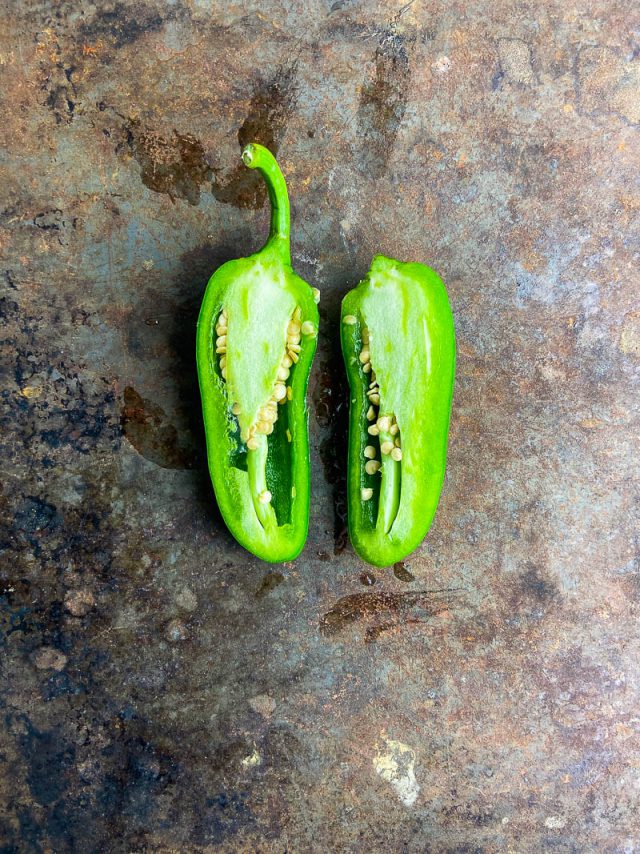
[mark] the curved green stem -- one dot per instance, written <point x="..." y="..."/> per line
<point x="256" y="156"/>
<point x="389" y="488"/>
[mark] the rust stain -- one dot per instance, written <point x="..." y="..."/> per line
<point x="384" y="611"/>
<point x="176" y="166"/>
<point x="92" y="49"/>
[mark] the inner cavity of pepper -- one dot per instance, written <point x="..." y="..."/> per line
<point x="381" y="462"/>
<point x="264" y="448"/>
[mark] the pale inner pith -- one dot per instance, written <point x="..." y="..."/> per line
<point x="384" y="431"/>
<point x="255" y="435"/>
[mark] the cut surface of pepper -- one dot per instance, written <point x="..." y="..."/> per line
<point x="256" y="337"/>
<point x="398" y="343"/>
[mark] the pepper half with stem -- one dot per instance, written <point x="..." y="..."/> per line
<point x="257" y="334"/>
<point x="398" y="343"/>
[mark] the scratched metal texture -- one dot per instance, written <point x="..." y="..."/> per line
<point x="162" y="690"/>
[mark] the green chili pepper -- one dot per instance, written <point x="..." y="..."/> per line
<point x="257" y="334"/>
<point x="398" y="343"/>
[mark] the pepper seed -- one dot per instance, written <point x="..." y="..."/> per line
<point x="370" y="452"/>
<point x="386" y="448"/>
<point x="396" y="454"/>
<point x="349" y="319"/>
<point x="366" y="494"/>
<point x="372" y="466"/>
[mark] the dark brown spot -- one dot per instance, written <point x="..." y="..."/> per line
<point x="60" y="88"/>
<point x="270" y="581"/>
<point x="629" y="578"/>
<point x="535" y="586"/>
<point x="269" y="112"/>
<point x="383" y="611"/>
<point x="122" y="24"/>
<point x="402" y="573"/>
<point x="49" y="220"/>
<point x="383" y="103"/>
<point x="176" y="166"/>
<point x="372" y="633"/>
<point x="145" y="425"/>
<point x="367" y="578"/>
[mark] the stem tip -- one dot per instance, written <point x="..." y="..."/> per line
<point x="247" y="155"/>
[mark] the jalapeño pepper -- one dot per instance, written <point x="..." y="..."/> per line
<point x="256" y="338"/>
<point x="398" y="343"/>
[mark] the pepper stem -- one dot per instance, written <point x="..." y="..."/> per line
<point x="389" y="501"/>
<point x="258" y="157"/>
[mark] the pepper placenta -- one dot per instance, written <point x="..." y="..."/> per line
<point x="256" y="338"/>
<point x="398" y="343"/>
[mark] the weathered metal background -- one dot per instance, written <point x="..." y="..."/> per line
<point x="163" y="691"/>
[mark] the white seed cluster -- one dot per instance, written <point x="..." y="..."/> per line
<point x="221" y="342"/>
<point x="380" y="424"/>
<point x="268" y="413"/>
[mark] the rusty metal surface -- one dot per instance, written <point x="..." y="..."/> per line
<point x="164" y="691"/>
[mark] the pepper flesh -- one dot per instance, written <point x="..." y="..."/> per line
<point x="256" y="339"/>
<point x="398" y="343"/>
